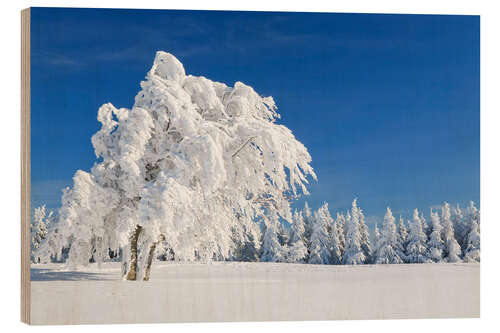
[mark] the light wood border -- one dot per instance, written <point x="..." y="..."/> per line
<point x="25" y="166"/>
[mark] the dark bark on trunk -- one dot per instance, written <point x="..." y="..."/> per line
<point x="132" y="269"/>
<point x="150" y="261"/>
<point x="152" y="249"/>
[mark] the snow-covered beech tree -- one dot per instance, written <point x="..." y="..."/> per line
<point x="353" y="254"/>
<point x="416" y="249"/>
<point x="320" y="252"/>
<point x="189" y="164"/>
<point x="39" y="231"/>
<point x="451" y="251"/>
<point x="435" y="244"/>
<point x="387" y="248"/>
<point x="473" y="242"/>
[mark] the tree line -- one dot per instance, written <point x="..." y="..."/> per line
<point x="452" y="235"/>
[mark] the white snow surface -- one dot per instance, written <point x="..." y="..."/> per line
<point x="235" y="291"/>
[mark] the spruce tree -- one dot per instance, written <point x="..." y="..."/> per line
<point x="387" y="250"/>
<point x="452" y="249"/>
<point x="473" y="241"/>
<point x="365" y="235"/>
<point x="435" y="243"/>
<point x="353" y="254"/>
<point x="416" y="249"/>
<point x="402" y="238"/>
<point x="320" y="252"/>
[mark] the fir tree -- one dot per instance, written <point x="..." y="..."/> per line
<point x="435" y="243"/>
<point x="271" y="248"/>
<point x="39" y="230"/>
<point x="402" y="238"/>
<point x="387" y="249"/>
<point x="473" y="241"/>
<point x="416" y="248"/>
<point x="320" y="252"/>
<point x="452" y="249"/>
<point x="365" y="235"/>
<point x="336" y="242"/>
<point x="297" y="250"/>
<point x="353" y="254"/>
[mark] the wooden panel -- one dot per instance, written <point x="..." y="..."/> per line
<point x="25" y="166"/>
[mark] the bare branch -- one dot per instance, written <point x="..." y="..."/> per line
<point x="243" y="146"/>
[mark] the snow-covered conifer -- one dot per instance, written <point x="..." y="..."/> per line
<point x="376" y="242"/>
<point x="39" y="230"/>
<point x="272" y="251"/>
<point x="340" y="226"/>
<point x="473" y="241"/>
<point x="320" y="252"/>
<point x="353" y="254"/>
<point x="416" y="250"/>
<point x="336" y="241"/>
<point x="435" y="243"/>
<point x="402" y="238"/>
<point x="387" y="249"/>
<point x="283" y="235"/>
<point x="459" y="225"/>
<point x="365" y="235"/>
<point x="452" y="251"/>
<point x="296" y="251"/>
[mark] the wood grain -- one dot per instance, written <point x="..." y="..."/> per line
<point x="25" y="167"/>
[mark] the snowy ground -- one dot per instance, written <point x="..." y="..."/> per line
<point x="254" y="292"/>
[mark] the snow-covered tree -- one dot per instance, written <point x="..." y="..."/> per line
<point x="178" y="167"/>
<point x="340" y="226"/>
<point x="402" y="238"/>
<point x="39" y="230"/>
<point x="272" y="251"/>
<point x="473" y="241"/>
<point x="297" y="228"/>
<point x="320" y="252"/>
<point x="459" y="225"/>
<point x="246" y="242"/>
<point x="452" y="251"/>
<point x="416" y="250"/>
<point x="376" y="243"/>
<point x="308" y="225"/>
<point x="336" y="241"/>
<point x="353" y="254"/>
<point x="435" y="243"/>
<point x="296" y="251"/>
<point x="365" y="235"/>
<point x="425" y="225"/>
<point x="387" y="247"/>
<point x="283" y="236"/>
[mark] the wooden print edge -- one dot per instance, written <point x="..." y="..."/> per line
<point x="25" y="167"/>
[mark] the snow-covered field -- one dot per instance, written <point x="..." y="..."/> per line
<point x="226" y="291"/>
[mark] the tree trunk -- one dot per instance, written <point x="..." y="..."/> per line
<point x="152" y="249"/>
<point x="132" y="268"/>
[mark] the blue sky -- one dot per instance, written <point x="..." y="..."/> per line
<point x="388" y="105"/>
